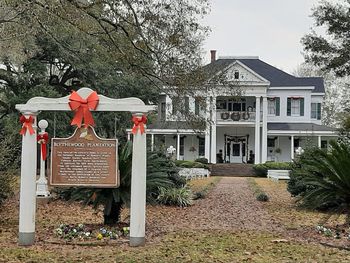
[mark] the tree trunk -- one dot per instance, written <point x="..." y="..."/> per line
<point x="114" y="216"/>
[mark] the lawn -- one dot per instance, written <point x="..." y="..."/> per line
<point x="172" y="244"/>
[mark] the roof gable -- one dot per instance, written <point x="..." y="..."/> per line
<point x="275" y="76"/>
<point x="245" y="74"/>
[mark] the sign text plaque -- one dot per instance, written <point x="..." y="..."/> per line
<point x="84" y="160"/>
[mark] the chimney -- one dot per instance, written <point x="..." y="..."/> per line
<point x="212" y="55"/>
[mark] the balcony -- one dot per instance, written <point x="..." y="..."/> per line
<point x="235" y="116"/>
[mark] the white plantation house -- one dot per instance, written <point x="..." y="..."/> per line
<point x="275" y="114"/>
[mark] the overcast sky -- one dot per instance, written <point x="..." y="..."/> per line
<point x="270" y="29"/>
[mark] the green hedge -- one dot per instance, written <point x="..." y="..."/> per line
<point x="202" y="160"/>
<point x="261" y="169"/>
<point x="190" y="164"/>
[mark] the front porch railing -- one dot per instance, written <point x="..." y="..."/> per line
<point x="240" y="116"/>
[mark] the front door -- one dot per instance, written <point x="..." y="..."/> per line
<point x="234" y="152"/>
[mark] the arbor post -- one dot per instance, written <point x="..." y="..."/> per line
<point x="138" y="189"/>
<point x="27" y="205"/>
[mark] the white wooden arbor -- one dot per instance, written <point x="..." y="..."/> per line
<point x="29" y="162"/>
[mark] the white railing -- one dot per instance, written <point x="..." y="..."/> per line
<point x="230" y="116"/>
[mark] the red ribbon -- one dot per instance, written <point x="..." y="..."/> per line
<point x="82" y="108"/>
<point x="27" y="125"/>
<point x="139" y="123"/>
<point x="42" y="139"/>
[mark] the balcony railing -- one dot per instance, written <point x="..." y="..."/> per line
<point x="240" y="116"/>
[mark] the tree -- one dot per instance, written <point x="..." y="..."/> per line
<point x="330" y="52"/>
<point x="158" y="39"/>
<point x="337" y="93"/>
<point x="119" y="48"/>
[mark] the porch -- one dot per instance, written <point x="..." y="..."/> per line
<point x="242" y="109"/>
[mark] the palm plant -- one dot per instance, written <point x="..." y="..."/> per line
<point x="160" y="171"/>
<point x="327" y="179"/>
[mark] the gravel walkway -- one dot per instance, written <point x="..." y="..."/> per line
<point x="231" y="205"/>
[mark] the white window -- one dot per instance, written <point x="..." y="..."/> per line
<point x="316" y="111"/>
<point x="295" y="103"/>
<point x="271" y="106"/>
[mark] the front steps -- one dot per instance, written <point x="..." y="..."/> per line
<point x="232" y="169"/>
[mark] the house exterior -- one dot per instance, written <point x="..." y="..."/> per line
<point x="275" y="114"/>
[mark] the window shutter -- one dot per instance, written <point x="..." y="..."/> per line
<point x="278" y="106"/>
<point x="302" y="107"/>
<point x="187" y="104"/>
<point x="289" y="106"/>
<point x="196" y="106"/>
<point x="174" y="103"/>
<point x="318" y="111"/>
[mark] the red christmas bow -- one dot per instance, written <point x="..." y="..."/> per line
<point x="42" y="139"/>
<point x="139" y="123"/>
<point x="82" y="108"/>
<point x="27" y="125"/>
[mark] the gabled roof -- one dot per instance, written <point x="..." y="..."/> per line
<point x="277" y="77"/>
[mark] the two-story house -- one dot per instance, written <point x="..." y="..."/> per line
<point x="275" y="114"/>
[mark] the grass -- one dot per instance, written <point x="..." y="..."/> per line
<point x="206" y="245"/>
<point x="201" y="187"/>
<point x="258" y="191"/>
<point x="220" y="246"/>
<point x="186" y="246"/>
<point x="284" y="207"/>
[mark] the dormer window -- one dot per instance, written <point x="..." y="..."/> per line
<point x="236" y="74"/>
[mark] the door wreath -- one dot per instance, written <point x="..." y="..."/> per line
<point x="225" y="115"/>
<point x="235" y="116"/>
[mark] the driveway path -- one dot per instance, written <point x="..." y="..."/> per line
<point x="231" y="205"/>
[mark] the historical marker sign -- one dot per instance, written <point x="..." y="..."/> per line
<point x="84" y="160"/>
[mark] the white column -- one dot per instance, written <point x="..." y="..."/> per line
<point x="27" y="205"/>
<point x="319" y="141"/>
<point x="207" y="144"/>
<point x="178" y="147"/>
<point x="213" y="130"/>
<point x="128" y="136"/>
<point x="152" y="142"/>
<point x="264" y="132"/>
<point x="292" y="147"/>
<point x="257" y="131"/>
<point x="41" y="184"/>
<point x="207" y="128"/>
<point x="138" y="190"/>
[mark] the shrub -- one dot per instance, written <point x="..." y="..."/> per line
<point x="178" y="181"/>
<point x="263" y="197"/>
<point x="260" y="195"/>
<point x="7" y="182"/>
<point x="327" y="178"/>
<point x="175" y="196"/>
<point x="199" y="195"/>
<point x="202" y="160"/>
<point x="296" y="185"/>
<point x="261" y="169"/>
<point x="179" y="162"/>
<point x="190" y="164"/>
